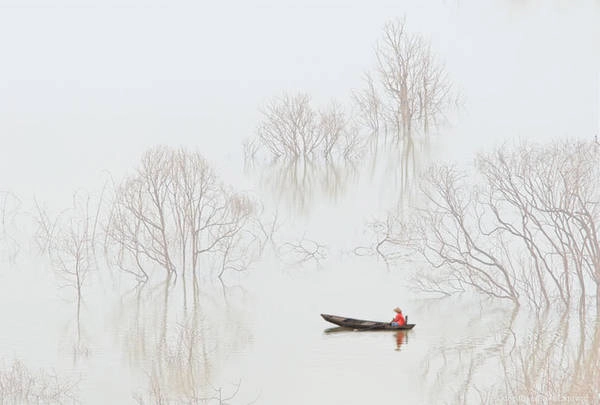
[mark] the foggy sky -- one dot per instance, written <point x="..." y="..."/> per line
<point x="87" y="86"/>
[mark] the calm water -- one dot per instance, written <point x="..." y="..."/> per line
<point x="525" y="70"/>
<point x="267" y="342"/>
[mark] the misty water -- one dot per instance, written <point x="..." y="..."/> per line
<point x="525" y="70"/>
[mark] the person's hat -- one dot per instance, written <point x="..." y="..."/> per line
<point x="398" y="310"/>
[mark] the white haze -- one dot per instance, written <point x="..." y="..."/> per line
<point x="88" y="86"/>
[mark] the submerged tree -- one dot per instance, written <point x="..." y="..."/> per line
<point x="410" y="88"/>
<point x="173" y="212"/>
<point x="70" y="250"/>
<point x="69" y="239"/>
<point x="300" y="149"/>
<point x="292" y="128"/>
<point x="21" y="385"/>
<point x="524" y="229"/>
<point x="10" y="206"/>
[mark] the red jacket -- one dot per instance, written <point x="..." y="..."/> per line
<point x="399" y="319"/>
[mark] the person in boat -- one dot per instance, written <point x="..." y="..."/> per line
<point x="399" y="318"/>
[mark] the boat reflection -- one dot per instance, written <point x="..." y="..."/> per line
<point x="337" y="329"/>
<point x="400" y="337"/>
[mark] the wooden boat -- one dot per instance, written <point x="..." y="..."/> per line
<point x="362" y="324"/>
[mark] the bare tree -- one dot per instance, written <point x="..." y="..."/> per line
<point x="332" y="127"/>
<point x="452" y="243"/>
<point x="251" y="148"/>
<point x="303" y="251"/>
<point x="412" y="86"/>
<point x="523" y="227"/>
<point x="546" y="197"/>
<point x="70" y="253"/>
<point x="46" y="227"/>
<point x="20" y="385"/>
<point x="291" y="128"/>
<point x="10" y="206"/>
<point x="69" y="240"/>
<point x="391" y="239"/>
<point x="370" y="106"/>
<point x="173" y="211"/>
<point x="70" y="243"/>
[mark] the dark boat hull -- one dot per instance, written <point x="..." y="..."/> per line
<point x="362" y="324"/>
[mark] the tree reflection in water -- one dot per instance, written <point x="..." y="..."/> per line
<point x="549" y="357"/>
<point x="391" y="166"/>
<point x="299" y="182"/>
<point x="179" y="350"/>
<point x="399" y="163"/>
<point x="557" y="362"/>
